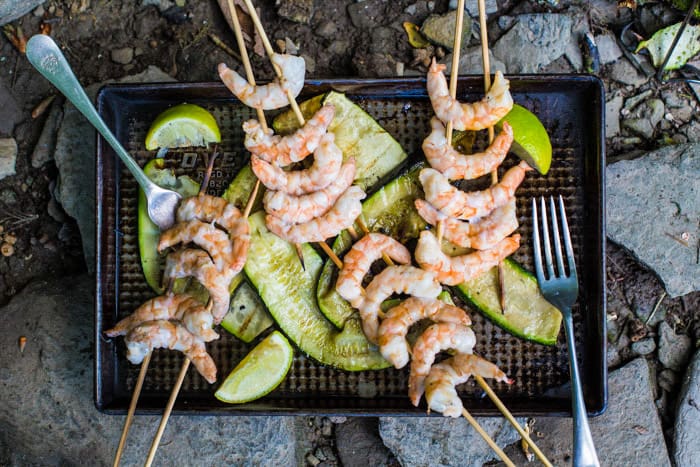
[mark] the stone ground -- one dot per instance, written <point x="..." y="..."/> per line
<point x="652" y="136"/>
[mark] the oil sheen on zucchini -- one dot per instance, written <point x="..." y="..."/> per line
<point x="527" y="314"/>
<point x="390" y="210"/>
<point x="288" y="291"/>
<point x="357" y="134"/>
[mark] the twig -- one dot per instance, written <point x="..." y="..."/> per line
<point x="223" y="46"/>
<point x="656" y="307"/>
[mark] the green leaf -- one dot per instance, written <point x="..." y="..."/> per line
<point x="660" y="43"/>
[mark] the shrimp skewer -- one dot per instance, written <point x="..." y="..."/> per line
<point x="440" y="391"/>
<point x="269" y="96"/>
<point x="468" y="116"/>
<point x="457" y="166"/>
<point x="394" y="279"/>
<point x="285" y="150"/>
<point x="439" y="336"/>
<point x="456" y="203"/>
<point x="393" y="329"/>
<point x="481" y="235"/>
<point x="181" y="307"/>
<point x="213" y="240"/>
<point x="339" y="217"/>
<point x="300" y="209"/>
<point x="327" y="161"/>
<point x="197" y="264"/>
<point x="453" y="270"/>
<point x="166" y="334"/>
<point x="359" y="259"/>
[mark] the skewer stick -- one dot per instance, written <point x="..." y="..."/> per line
<point x="365" y="230"/>
<point x="454" y="75"/>
<point x="487" y="85"/>
<point x="506" y="413"/>
<point x="166" y="414"/>
<point x="132" y="407"/>
<point x="472" y="421"/>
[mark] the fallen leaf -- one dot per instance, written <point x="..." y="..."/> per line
<point x="660" y="43"/>
<point x="415" y="38"/>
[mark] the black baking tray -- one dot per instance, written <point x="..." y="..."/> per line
<point x="571" y="108"/>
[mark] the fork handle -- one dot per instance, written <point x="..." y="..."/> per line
<point x="584" y="450"/>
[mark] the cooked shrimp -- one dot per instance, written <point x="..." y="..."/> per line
<point x="392" y="332"/>
<point x="482" y="234"/>
<point x="468" y="116"/>
<point x="285" y="150"/>
<point x="268" y="96"/>
<point x="211" y="209"/>
<point x="207" y="236"/>
<point x="359" y="259"/>
<point x="466" y="205"/>
<point x="195" y="317"/>
<point x="439" y="336"/>
<point x="167" y="334"/>
<point x="457" y="166"/>
<point x="339" y="217"/>
<point x="453" y="270"/>
<point x="197" y="264"/>
<point x="327" y="161"/>
<point x="394" y="279"/>
<point x="440" y="391"/>
<point x="300" y="209"/>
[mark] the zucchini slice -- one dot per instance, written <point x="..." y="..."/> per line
<point x="391" y="211"/>
<point x="527" y="314"/>
<point x="288" y="292"/>
<point x="240" y="189"/>
<point x="247" y="317"/>
<point x="357" y="134"/>
<point x="148" y="232"/>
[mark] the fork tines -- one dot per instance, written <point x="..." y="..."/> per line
<point x="544" y="228"/>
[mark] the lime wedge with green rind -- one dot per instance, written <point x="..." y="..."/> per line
<point x="531" y="142"/>
<point x="183" y="125"/>
<point x="260" y="372"/>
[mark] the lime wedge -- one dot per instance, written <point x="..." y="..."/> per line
<point x="181" y="126"/>
<point x="261" y="371"/>
<point x="530" y="139"/>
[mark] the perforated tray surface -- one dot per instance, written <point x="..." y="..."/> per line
<point x="571" y="109"/>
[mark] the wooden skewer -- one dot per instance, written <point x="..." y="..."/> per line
<point x="472" y="421"/>
<point x="506" y="413"/>
<point x="487" y="85"/>
<point x="454" y="76"/>
<point x="166" y="414"/>
<point x="132" y="408"/>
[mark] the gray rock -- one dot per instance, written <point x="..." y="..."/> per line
<point x="667" y="380"/>
<point x="326" y="29"/>
<point x="535" y="41"/>
<point x="679" y="106"/>
<point x="471" y="63"/>
<point x="644" y="346"/>
<point x="10" y="10"/>
<point x="75" y="160"/>
<point x="11" y="112"/>
<point x="628" y="433"/>
<point x="440" y="30"/>
<point x="122" y="56"/>
<point x="623" y="72"/>
<point x="686" y="449"/>
<point x="654" y="110"/>
<point x="359" y="445"/>
<point x="43" y="151"/>
<point x="640" y="126"/>
<point x="639" y="190"/>
<point x="366" y="14"/>
<point x="47" y="411"/>
<point x="632" y="102"/>
<point x="299" y="11"/>
<point x="612" y="116"/>
<point x="674" y="349"/>
<point x="608" y="49"/>
<point x="439" y="441"/>
<point x="162" y="5"/>
<point x="8" y="157"/>
<point x="472" y="7"/>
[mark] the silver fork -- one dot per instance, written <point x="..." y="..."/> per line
<point x="561" y="291"/>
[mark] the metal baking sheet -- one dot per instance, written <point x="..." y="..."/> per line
<point x="571" y="108"/>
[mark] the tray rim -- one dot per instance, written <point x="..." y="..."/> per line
<point x="111" y="91"/>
